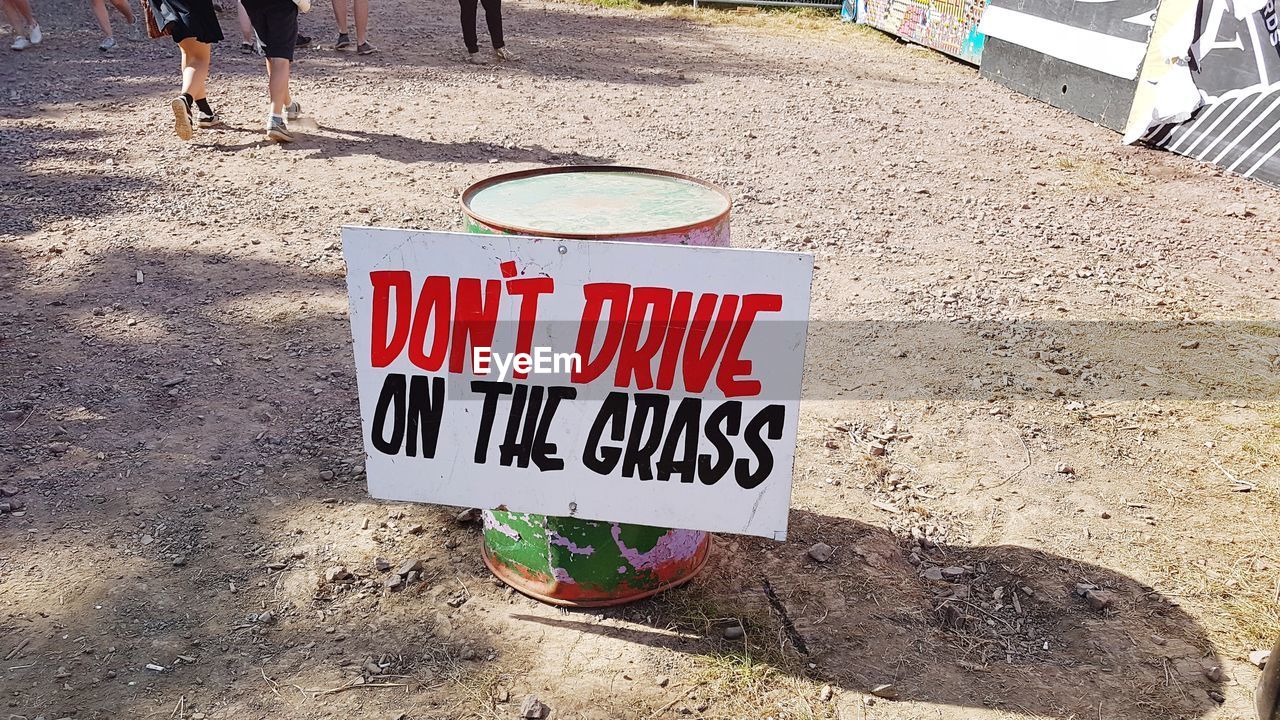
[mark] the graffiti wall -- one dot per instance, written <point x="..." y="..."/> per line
<point x="1079" y="55"/>
<point x="948" y="26"/>
<point x="1210" y="87"/>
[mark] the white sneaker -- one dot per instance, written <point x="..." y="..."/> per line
<point x="135" y="29"/>
<point x="35" y="35"/>
<point x="107" y="44"/>
<point x="20" y="43"/>
<point x="471" y="57"/>
<point x="505" y="55"/>
<point x="293" y="110"/>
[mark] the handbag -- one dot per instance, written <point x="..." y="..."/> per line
<point x="154" y="31"/>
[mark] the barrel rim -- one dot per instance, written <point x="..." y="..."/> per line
<point x="488" y="182"/>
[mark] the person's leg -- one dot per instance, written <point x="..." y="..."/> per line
<point x="195" y="71"/>
<point x="493" y="18"/>
<point x="246" y="27"/>
<point x="14" y="17"/>
<point x="360" y="8"/>
<point x="125" y="9"/>
<point x="22" y="8"/>
<point x="195" y="67"/>
<point x="99" y="8"/>
<point x="340" y="17"/>
<point x="278" y="84"/>
<point x="469" y="25"/>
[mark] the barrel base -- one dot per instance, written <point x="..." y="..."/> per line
<point x="562" y="594"/>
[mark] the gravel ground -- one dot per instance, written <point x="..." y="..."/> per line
<point x="1039" y="427"/>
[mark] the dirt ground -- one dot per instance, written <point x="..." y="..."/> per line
<point x="1068" y="349"/>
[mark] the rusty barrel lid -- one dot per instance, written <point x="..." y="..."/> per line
<point x="595" y="202"/>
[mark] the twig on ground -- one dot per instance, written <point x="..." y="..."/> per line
<point x="275" y="688"/>
<point x="677" y="699"/>
<point x="14" y="652"/>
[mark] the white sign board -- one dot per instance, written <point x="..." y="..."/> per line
<point x="649" y="384"/>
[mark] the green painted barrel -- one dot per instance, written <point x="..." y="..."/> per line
<point x="569" y="561"/>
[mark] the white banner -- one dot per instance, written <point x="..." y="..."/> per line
<point x="648" y="384"/>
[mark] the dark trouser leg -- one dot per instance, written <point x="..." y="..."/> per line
<point x="493" y="18"/>
<point x="469" y="25"/>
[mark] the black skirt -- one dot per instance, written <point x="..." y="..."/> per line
<point x="187" y="19"/>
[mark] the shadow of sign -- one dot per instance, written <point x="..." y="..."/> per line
<point x="998" y="627"/>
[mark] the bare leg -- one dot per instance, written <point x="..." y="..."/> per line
<point x="195" y="67"/>
<point x="361" y="10"/>
<point x="340" y="16"/>
<point x="125" y="9"/>
<point x="246" y="27"/>
<point x="19" y="13"/>
<point x="278" y="84"/>
<point x="99" y="8"/>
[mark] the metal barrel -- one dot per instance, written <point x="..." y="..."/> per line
<point x="570" y="561"/>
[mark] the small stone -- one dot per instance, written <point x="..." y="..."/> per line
<point x="381" y="564"/>
<point x="1260" y="657"/>
<point x="372" y="667"/>
<point x="267" y="618"/>
<point x="825" y="693"/>
<point x="1104" y="515"/>
<point x="933" y="573"/>
<point x="147" y="540"/>
<point x="1099" y="599"/>
<point x="409" y="566"/>
<point x="821" y="552"/>
<point x="1214" y="673"/>
<point x="1239" y="210"/>
<point x="1062" y="370"/>
<point x="12" y="415"/>
<point x="8" y="491"/>
<point x="326" y="474"/>
<point x="412" y="577"/>
<point x="58" y="447"/>
<point x="414" y="529"/>
<point x="174" y="381"/>
<point x="733" y="632"/>
<point x="1190" y="345"/>
<point x="877" y="449"/>
<point x="467" y="516"/>
<point x="1217" y="697"/>
<point x="180" y="561"/>
<point x="277" y="565"/>
<point x="662" y="681"/>
<point x="394" y="582"/>
<point x="961" y="592"/>
<point x="503" y="695"/>
<point x="338" y="574"/>
<point x="953" y="571"/>
<point x="532" y="708"/>
<point x="1064" y="469"/>
<point x="62" y="672"/>
<point x="886" y="691"/>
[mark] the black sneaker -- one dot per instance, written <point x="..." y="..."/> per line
<point x="278" y="131"/>
<point x="182" y="120"/>
<point x="302" y="41"/>
<point x="344" y="42"/>
<point x="208" y="120"/>
<point x="246" y="48"/>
